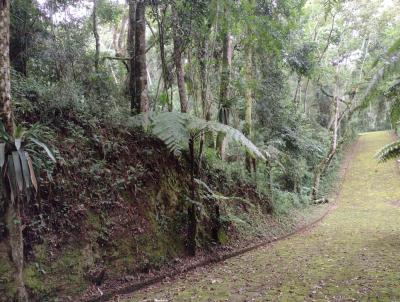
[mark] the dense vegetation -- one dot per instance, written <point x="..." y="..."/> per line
<point x="134" y="133"/>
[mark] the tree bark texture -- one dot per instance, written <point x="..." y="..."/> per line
<point x="142" y="99"/>
<point x="131" y="53"/>
<point x="180" y="73"/>
<point x="13" y="215"/>
<point x="250" y="162"/>
<point x="6" y="115"/>
<point x="224" y="110"/>
<point x="96" y="37"/>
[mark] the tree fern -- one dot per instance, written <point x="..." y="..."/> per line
<point x="390" y="151"/>
<point x="175" y="130"/>
<point x="170" y="127"/>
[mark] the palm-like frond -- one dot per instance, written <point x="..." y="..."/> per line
<point x="390" y="67"/>
<point x="234" y="135"/>
<point x="390" y="151"/>
<point x="175" y="130"/>
<point x="170" y="127"/>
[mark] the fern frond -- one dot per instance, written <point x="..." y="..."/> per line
<point x="170" y="127"/>
<point x="175" y="130"/>
<point x="390" y="151"/>
<point x="236" y="136"/>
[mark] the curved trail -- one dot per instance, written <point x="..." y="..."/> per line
<point x="353" y="255"/>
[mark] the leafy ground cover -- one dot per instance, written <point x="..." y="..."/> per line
<point x="353" y="255"/>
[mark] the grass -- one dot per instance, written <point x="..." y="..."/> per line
<point x="353" y="255"/>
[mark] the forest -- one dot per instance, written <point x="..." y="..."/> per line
<point x="199" y="150"/>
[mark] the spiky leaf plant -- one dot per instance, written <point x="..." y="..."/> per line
<point x="176" y="129"/>
<point x="15" y="162"/>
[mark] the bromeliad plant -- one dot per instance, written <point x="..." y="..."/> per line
<point x="18" y="175"/>
<point x="18" y="182"/>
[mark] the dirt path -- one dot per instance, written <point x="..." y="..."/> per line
<point x="353" y="255"/>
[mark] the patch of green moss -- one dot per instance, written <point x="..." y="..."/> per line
<point x="73" y="264"/>
<point x="222" y="236"/>
<point x="6" y="285"/>
<point x="46" y="278"/>
<point x="35" y="281"/>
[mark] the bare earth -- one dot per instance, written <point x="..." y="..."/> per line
<point x="353" y="255"/>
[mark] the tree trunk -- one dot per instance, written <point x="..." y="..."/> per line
<point x="224" y="110"/>
<point x="120" y="49"/>
<point x="131" y="54"/>
<point x="96" y="37"/>
<point x="140" y="97"/>
<point x="192" y="219"/>
<point x="13" y="215"/>
<point x="180" y="73"/>
<point x="298" y="88"/>
<point x="325" y="162"/>
<point x="306" y="96"/>
<point x="6" y="115"/>
<point x="248" y="131"/>
<point x="203" y="57"/>
<point x="161" y="43"/>
<point x="16" y="243"/>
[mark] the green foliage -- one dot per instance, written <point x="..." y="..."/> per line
<point x="176" y="129"/>
<point x="390" y="151"/>
<point x="16" y="164"/>
<point x="390" y="68"/>
<point x="109" y="12"/>
<point x="303" y="59"/>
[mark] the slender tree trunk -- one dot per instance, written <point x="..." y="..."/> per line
<point x="192" y="219"/>
<point x="194" y="87"/>
<point x="131" y="54"/>
<point x="248" y="131"/>
<point x="306" y="96"/>
<point x="180" y="73"/>
<point x="224" y="110"/>
<point x="96" y="37"/>
<point x="120" y="49"/>
<point x="161" y="43"/>
<point x="141" y="99"/>
<point x="325" y="162"/>
<point x="298" y="88"/>
<point x="203" y="57"/>
<point x="13" y="215"/>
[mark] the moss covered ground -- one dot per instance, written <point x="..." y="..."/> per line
<point x="352" y="255"/>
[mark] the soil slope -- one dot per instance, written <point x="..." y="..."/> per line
<point x="353" y="255"/>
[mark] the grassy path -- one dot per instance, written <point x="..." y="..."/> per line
<point x="353" y="255"/>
